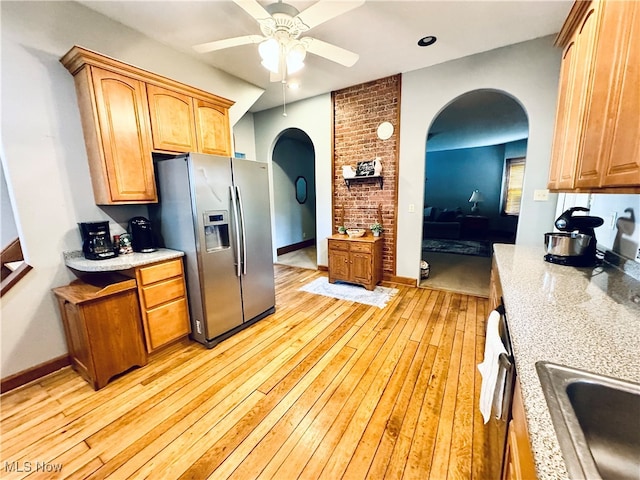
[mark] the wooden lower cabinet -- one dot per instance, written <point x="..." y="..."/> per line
<point x="101" y="318"/>
<point x="518" y="459"/>
<point x="355" y="260"/>
<point x="495" y="288"/>
<point x="163" y="301"/>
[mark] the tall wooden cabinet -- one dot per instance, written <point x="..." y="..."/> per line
<point x="127" y="113"/>
<point x="355" y="260"/>
<point x="114" y="115"/>
<point x="597" y="135"/>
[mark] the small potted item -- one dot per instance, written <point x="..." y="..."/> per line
<point x="342" y="230"/>
<point x="376" y="228"/>
<point x="125" y="245"/>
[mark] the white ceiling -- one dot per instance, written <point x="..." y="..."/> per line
<point x="383" y="32"/>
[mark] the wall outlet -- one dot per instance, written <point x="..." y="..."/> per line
<point x="638" y="255"/>
<point x="304" y="235"/>
<point x="412" y="208"/>
<point x="541" y="195"/>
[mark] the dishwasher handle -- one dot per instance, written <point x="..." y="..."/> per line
<point x="503" y="396"/>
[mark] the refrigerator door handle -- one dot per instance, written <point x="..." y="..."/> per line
<point x="234" y="204"/>
<point x="244" y="232"/>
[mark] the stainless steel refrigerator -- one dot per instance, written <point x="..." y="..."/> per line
<point x="216" y="210"/>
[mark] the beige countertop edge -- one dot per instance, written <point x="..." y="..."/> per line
<point x="563" y="315"/>
<point x="77" y="261"/>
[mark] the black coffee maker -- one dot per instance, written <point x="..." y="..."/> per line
<point x="141" y="235"/>
<point x="96" y="240"/>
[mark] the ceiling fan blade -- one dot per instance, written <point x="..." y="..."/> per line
<point x="331" y="52"/>
<point x="325" y="10"/>
<point x="227" y="43"/>
<point x="253" y="8"/>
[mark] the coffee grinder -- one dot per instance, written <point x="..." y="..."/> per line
<point x="96" y="240"/>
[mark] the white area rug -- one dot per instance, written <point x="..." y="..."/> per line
<point x="344" y="291"/>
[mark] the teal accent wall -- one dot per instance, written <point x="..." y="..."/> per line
<point x="453" y="175"/>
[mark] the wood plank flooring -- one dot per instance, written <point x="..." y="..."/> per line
<point x="322" y="389"/>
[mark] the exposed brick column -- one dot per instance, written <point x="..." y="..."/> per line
<point x="357" y="112"/>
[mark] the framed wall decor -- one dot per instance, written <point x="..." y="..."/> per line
<point x="365" y="169"/>
<point x="301" y="189"/>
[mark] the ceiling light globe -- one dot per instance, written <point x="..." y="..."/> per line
<point x="269" y="51"/>
<point x="295" y="57"/>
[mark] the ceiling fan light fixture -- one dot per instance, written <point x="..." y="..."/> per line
<point x="269" y="51"/>
<point x="295" y="57"/>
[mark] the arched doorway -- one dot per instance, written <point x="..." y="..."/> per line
<point x="475" y="156"/>
<point x="294" y="190"/>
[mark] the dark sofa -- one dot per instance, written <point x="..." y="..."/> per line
<point x="442" y="223"/>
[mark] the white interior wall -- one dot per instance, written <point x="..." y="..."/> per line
<point x="528" y="72"/>
<point x="43" y="150"/>
<point x="8" y="228"/>
<point x="244" y="136"/>
<point x="294" y="222"/>
<point x="620" y="231"/>
<point x="312" y="116"/>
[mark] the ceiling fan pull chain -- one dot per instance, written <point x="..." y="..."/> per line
<point x="284" y="98"/>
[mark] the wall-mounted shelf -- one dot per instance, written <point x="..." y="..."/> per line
<point x="378" y="178"/>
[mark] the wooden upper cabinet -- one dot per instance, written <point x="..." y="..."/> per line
<point x="596" y="143"/>
<point x="558" y="155"/>
<point x="212" y="128"/>
<point x="621" y="32"/>
<point x="180" y="123"/>
<point x="172" y="120"/>
<point x="128" y="112"/>
<point x="574" y="79"/>
<point x="114" y="115"/>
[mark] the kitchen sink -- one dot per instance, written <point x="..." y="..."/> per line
<point x="596" y="419"/>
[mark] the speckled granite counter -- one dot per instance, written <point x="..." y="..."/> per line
<point x="580" y="317"/>
<point x="77" y="261"/>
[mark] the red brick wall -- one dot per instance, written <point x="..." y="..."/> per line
<point x="357" y="112"/>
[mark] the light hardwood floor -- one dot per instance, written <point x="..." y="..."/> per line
<point x="323" y="388"/>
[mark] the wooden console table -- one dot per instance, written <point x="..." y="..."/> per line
<point x="355" y="260"/>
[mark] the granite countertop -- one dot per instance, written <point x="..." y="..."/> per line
<point x="77" y="261"/>
<point x="586" y="318"/>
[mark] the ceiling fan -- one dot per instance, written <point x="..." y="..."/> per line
<point x="281" y="46"/>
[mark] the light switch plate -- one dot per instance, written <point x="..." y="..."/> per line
<point x="541" y="195"/>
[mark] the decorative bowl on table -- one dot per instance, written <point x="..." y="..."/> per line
<point x="355" y="232"/>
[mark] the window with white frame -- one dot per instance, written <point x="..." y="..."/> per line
<point x="512" y="186"/>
